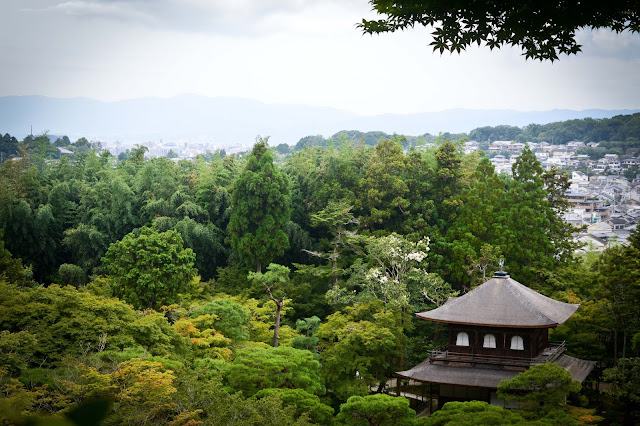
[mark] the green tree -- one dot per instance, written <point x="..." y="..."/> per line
<point x="10" y="268"/>
<point x="542" y="30"/>
<point x="274" y="282"/>
<point x="473" y="413"/>
<point x="383" y="201"/>
<point x="260" y="210"/>
<point x="231" y="318"/>
<point x="358" y="348"/>
<point x="69" y="322"/>
<point x="447" y="184"/>
<point x="304" y="402"/>
<point x="618" y="270"/>
<point x="256" y="368"/>
<point x="149" y="269"/>
<point x="376" y="410"/>
<point x="625" y="381"/>
<point x="338" y="219"/>
<point x="528" y="240"/>
<point x="72" y="275"/>
<point x="540" y="389"/>
<point x="477" y="227"/>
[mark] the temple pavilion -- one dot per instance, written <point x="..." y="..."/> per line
<point x="496" y="331"/>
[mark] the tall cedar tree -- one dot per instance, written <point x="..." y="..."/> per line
<point x="260" y="205"/>
<point x="531" y="240"/>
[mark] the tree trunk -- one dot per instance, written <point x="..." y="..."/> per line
<point x="276" y="329"/>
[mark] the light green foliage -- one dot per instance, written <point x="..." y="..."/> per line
<point x="66" y="321"/>
<point x="358" y="347"/>
<point x="254" y="369"/>
<point x="304" y="403"/>
<point x="541" y="389"/>
<point x="473" y="413"/>
<point x="231" y="319"/>
<point x="274" y="282"/>
<point x="378" y="410"/>
<point x="144" y="393"/>
<point x="260" y="210"/>
<point x="261" y="323"/>
<point x="149" y="269"/>
<point x="16" y="350"/>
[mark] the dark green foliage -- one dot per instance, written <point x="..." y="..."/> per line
<point x="625" y="381"/>
<point x="619" y="133"/>
<point x="383" y="203"/>
<point x="206" y="243"/>
<point x="8" y="147"/>
<point x="618" y="271"/>
<point x="72" y="275"/>
<point x="12" y="269"/>
<point x="541" y="389"/>
<point x="542" y="30"/>
<point x="260" y="210"/>
<point x="534" y="236"/>
<point x="307" y="327"/>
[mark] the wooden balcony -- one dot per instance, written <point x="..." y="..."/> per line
<point x="550" y="354"/>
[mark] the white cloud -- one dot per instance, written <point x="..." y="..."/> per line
<point x="289" y="51"/>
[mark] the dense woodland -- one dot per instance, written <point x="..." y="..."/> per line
<point x="280" y="289"/>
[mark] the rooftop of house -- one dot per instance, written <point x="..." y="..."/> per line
<point x="502" y="302"/>
<point x="485" y="376"/>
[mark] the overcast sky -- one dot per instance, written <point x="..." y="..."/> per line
<point x="290" y="51"/>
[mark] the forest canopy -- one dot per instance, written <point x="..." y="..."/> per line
<point x="121" y="280"/>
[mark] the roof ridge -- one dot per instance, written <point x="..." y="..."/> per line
<point x="515" y="289"/>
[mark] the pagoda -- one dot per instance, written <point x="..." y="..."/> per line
<point x="496" y="331"/>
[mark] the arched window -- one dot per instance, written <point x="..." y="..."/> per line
<point x="489" y="341"/>
<point x="517" y="343"/>
<point x="462" y="339"/>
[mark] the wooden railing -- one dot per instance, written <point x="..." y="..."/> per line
<point x="550" y="354"/>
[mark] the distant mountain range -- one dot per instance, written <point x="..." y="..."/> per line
<point x="228" y="121"/>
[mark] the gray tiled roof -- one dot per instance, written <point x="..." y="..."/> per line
<point x="463" y="374"/>
<point x="502" y="302"/>
<point x="485" y="376"/>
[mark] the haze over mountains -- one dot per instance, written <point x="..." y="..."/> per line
<point x="224" y="121"/>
